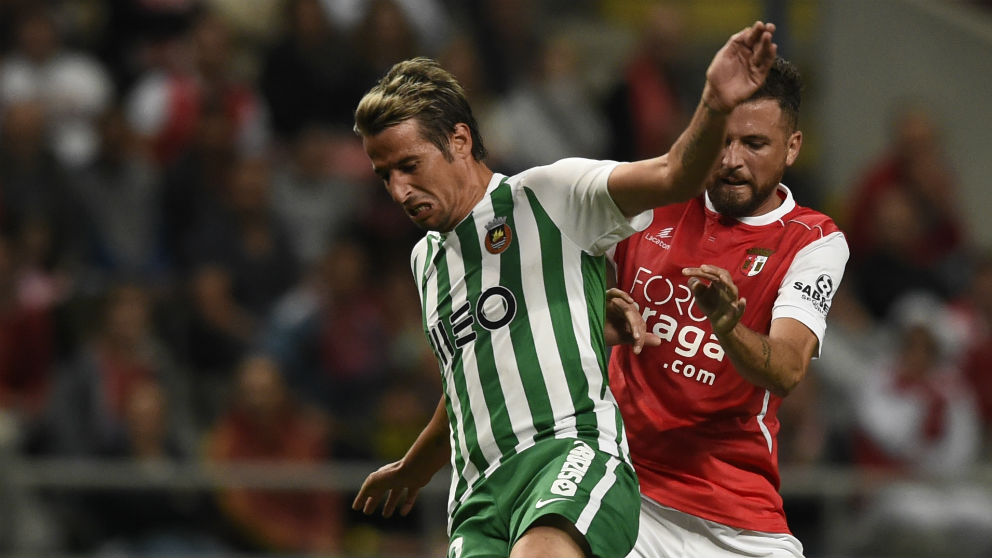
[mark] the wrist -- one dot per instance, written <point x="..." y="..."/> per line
<point x="711" y="101"/>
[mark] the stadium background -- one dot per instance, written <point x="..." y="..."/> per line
<point x="208" y="332"/>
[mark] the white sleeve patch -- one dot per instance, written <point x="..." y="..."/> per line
<point x="808" y="287"/>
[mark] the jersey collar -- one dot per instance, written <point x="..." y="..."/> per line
<point x="788" y="204"/>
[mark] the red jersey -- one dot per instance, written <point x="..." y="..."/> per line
<point x="701" y="436"/>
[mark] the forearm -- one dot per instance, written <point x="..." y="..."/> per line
<point x="693" y="154"/>
<point x="765" y="362"/>
<point x="431" y="450"/>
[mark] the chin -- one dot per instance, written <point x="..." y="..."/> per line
<point x="732" y="206"/>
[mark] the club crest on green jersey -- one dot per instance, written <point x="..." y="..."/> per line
<point x="498" y="236"/>
<point x="755" y="260"/>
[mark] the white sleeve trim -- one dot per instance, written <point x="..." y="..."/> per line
<point x="810" y="283"/>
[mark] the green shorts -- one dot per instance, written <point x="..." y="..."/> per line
<point x="595" y="491"/>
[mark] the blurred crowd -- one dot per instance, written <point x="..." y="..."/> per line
<point x="197" y="264"/>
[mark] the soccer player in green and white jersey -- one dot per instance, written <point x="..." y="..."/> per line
<point x="511" y="277"/>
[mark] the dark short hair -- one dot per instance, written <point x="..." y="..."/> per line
<point x="784" y="84"/>
<point x="422" y="90"/>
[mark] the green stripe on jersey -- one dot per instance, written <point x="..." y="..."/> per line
<point x="552" y="261"/>
<point x="457" y="368"/>
<point x="486" y="361"/>
<point x="521" y="335"/>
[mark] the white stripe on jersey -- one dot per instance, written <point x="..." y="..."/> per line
<point x="458" y="431"/>
<point x="470" y="365"/>
<point x="517" y="408"/>
<point x="541" y="325"/>
<point x="605" y="411"/>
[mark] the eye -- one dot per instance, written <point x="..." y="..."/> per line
<point x="755" y="144"/>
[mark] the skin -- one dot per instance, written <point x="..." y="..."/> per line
<point x="438" y="190"/>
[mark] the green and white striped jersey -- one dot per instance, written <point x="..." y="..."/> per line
<point x="513" y="301"/>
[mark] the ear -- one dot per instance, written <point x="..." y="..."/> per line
<point x="461" y="141"/>
<point x="793" y="145"/>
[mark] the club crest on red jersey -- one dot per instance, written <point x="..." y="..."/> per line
<point x="755" y="260"/>
<point x="498" y="236"/>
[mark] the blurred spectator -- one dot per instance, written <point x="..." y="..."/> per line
<point x="429" y="19"/>
<point x="548" y="116"/>
<point x="310" y="77"/>
<point x="152" y="521"/>
<point x="312" y="199"/>
<point x="137" y="35"/>
<point x="855" y="341"/>
<point x="893" y="266"/>
<point x="196" y="76"/>
<point x="120" y="195"/>
<point x="218" y="334"/>
<point x="384" y="36"/>
<point x="72" y="87"/>
<point x="32" y="181"/>
<point x="914" y="165"/>
<point x="249" y="239"/>
<point x="917" y="417"/>
<point x="265" y="424"/>
<point x="647" y="107"/>
<point x="27" y="349"/>
<point x="973" y="314"/>
<point x="507" y="35"/>
<point x="329" y="335"/>
<point x="195" y="186"/>
<point x="89" y="407"/>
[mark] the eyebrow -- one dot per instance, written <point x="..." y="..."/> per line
<point x="405" y="160"/>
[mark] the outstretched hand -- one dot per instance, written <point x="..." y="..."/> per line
<point x="740" y="67"/>
<point x="717" y="296"/>
<point x="398" y="485"/>
<point x="624" y="324"/>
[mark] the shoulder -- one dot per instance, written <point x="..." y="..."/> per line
<point x="815" y="223"/>
<point x="423" y="250"/>
<point x="564" y="171"/>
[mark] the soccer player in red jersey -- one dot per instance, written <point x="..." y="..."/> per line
<point x="736" y="283"/>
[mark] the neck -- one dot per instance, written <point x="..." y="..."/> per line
<point x="475" y="183"/>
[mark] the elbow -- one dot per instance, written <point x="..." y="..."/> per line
<point x="787" y="381"/>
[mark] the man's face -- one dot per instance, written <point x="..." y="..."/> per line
<point x="418" y="176"/>
<point x="759" y="145"/>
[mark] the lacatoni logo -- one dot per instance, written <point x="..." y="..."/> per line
<point x="659" y="237"/>
<point x="573" y="470"/>
<point x="819" y="293"/>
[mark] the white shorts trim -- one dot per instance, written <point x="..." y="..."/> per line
<point x="669" y="533"/>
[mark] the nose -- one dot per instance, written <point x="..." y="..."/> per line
<point x="731" y="157"/>
<point x="398" y="187"/>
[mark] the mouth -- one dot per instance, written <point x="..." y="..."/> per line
<point x="415" y="210"/>
<point x="733" y="181"/>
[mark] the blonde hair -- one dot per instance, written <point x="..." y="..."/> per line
<point x="419" y="89"/>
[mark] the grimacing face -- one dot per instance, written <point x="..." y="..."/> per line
<point x="757" y="149"/>
<point x="419" y="177"/>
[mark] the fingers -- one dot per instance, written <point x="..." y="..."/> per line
<point x="394" y="498"/>
<point x="411" y="497"/>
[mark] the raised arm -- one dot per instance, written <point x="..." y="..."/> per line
<point x="402" y="480"/>
<point x="736" y="72"/>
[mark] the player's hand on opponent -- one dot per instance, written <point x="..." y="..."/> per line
<point x="717" y="296"/>
<point x="624" y="324"/>
<point x="740" y="67"/>
<point x="394" y="482"/>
